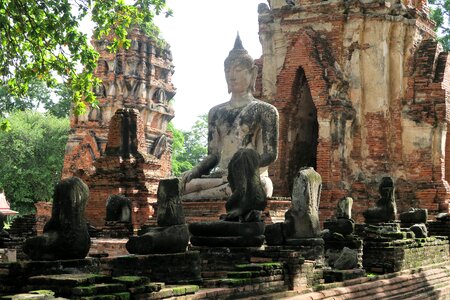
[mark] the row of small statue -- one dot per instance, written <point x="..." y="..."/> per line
<point x="66" y="234"/>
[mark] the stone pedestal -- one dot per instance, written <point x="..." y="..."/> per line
<point x="227" y="234"/>
<point x="171" y="235"/>
<point x="179" y="268"/>
<point x="212" y="209"/>
<point x="440" y="228"/>
<point x="310" y="248"/>
<point x="335" y="244"/>
<point x="388" y="249"/>
<point x="117" y="230"/>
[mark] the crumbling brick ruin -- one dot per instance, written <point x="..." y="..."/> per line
<point x="137" y="78"/>
<point x="362" y="89"/>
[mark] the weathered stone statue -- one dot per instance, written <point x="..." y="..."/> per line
<point x="414" y="216"/>
<point x="171" y="235"/>
<point x="302" y="219"/>
<point x="118" y="208"/>
<point x="66" y="234"/>
<point x="301" y="227"/>
<point x="344" y="208"/>
<point x="385" y="209"/>
<point x="342" y="221"/>
<point x="242" y="143"/>
<point x="241" y="123"/>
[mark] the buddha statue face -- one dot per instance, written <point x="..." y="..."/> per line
<point x="240" y="78"/>
<point x="240" y="70"/>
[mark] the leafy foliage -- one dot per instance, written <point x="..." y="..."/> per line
<point x="440" y="13"/>
<point x="189" y="147"/>
<point x="178" y="164"/>
<point x="42" y="39"/>
<point x="56" y="101"/>
<point x="32" y="158"/>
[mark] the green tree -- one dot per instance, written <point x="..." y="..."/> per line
<point x="178" y="164"/>
<point x="56" y="101"/>
<point x="61" y="107"/>
<point x="189" y="147"/>
<point x="42" y="39"/>
<point x="31" y="160"/>
<point x="440" y="13"/>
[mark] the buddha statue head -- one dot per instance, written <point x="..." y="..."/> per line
<point x="240" y="69"/>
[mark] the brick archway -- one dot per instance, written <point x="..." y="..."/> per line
<point x="303" y="62"/>
<point x="303" y="128"/>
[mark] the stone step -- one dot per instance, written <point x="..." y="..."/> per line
<point x="70" y="280"/>
<point x="427" y="283"/>
<point x="399" y="285"/>
<point x="131" y="281"/>
<point x="442" y="293"/>
<point x="168" y="292"/>
<point x="267" y="266"/>
<point x="112" y="296"/>
<point x="98" y="289"/>
<point x="235" y="282"/>
<point x="254" y="291"/>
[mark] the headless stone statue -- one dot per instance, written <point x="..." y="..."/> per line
<point x="301" y="227"/>
<point x="344" y="208"/>
<point x="248" y="197"/>
<point x="241" y="123"/>
<point x="66" y="234"/>
<point x="118" y="208"/>
<point x="385" y="209"/>
<point x="171" y="235"/>
<point x="302" y="219"/>
<point x="342" y="222"/>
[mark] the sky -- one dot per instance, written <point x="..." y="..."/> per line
<point x="200" y="34"/>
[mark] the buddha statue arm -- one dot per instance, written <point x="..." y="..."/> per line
<point x="213" y="157"/>
<point x="269" y="132"/>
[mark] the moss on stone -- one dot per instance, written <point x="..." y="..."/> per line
<point x="235" y="281"/>
<point x="98" y="297"/>
<point x="100" y="288"/>
<point x="67" y="279"/>
<point x="179" y="290"/>
<point x="43" y="292"/>
<point x="249" y="267"/>
<point x="84" y="290"/>
<point x="122" y="296"/>
<point x="191" y="289"/>
<point x="130" y="281"/>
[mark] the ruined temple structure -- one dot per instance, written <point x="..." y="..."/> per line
<point x="362" y="90"/>
<point x="138" y="78"/>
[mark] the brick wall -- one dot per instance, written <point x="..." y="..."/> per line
<point x="380" y="84"/>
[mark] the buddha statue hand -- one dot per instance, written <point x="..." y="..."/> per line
<point x="188" y="176"/>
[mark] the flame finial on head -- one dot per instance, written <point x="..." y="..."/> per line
<point x="238" y="53"/>
<point x="238" y="43"/>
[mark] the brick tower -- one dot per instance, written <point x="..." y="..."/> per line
<point x="138" y="78"/>
<point x="362" y="88"/>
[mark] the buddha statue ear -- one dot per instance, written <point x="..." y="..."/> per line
<point x="254" y="71"/>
